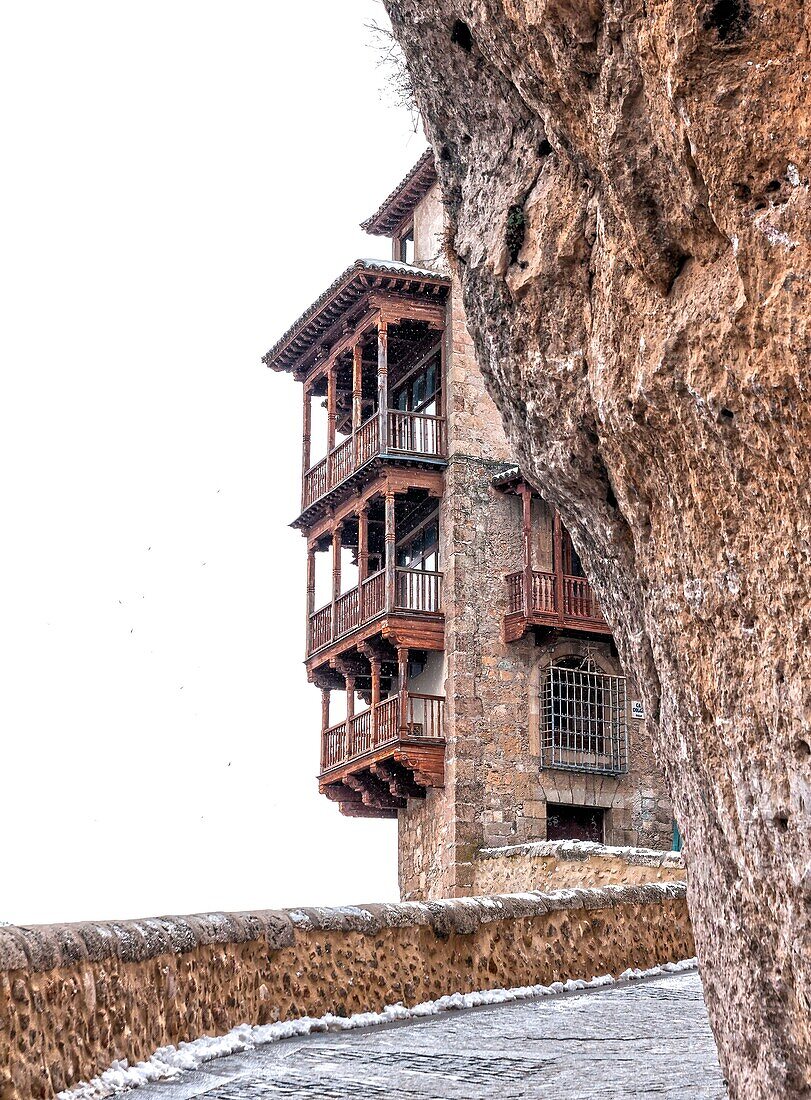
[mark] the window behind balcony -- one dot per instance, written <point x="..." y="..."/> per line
<point x="418" y="393"/>
<point x="584" y="721"/>
<point x="418" y="581"/>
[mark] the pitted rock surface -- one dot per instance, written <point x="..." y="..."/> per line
<point x="627" y="189"/>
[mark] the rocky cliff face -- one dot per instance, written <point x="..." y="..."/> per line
<point x="627" y="187"/>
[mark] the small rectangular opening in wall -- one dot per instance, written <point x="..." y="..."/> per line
<point x="575" y="823"/>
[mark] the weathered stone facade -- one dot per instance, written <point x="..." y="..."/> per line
<point x="496" y="791"/>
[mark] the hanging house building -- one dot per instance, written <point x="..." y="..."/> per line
<point x="481" y="699"/>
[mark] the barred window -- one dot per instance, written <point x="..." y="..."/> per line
<point x="584" y="725"/>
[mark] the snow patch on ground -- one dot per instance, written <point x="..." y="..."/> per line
<point x="171" y="1061"/>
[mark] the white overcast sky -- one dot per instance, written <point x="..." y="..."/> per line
<point x="180" y="180"/>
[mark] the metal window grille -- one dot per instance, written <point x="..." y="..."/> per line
<point x="584" y="725"/>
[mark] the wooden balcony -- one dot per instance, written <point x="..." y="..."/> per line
<point x="407" y="435"/>
<point x="373" y="761"/>
<point x="555" y="600"/>
<point x="414" y="593"/>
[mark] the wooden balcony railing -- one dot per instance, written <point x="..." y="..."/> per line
<point x="414" y="591"/>
<point x="569" y="600"/>
<point x="409" y="434"/>
<point x="376" y="727"/>
<point x="417" y="433"/>
<point x="418" y="590"/>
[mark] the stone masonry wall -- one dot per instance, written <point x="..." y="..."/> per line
<point x="495" y="789"/>
<point x="74" y="998"/>
<point x="549" y="865"/>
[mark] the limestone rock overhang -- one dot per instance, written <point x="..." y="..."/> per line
<point x="343" y="302"/>
<point x="401" y="203"/>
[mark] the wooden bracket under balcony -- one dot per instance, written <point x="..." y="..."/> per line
<point x="376" y="760"/>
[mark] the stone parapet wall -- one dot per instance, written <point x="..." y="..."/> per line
<point x="74" y="998"/>
<point x="553" y="864"/>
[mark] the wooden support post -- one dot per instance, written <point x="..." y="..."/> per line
<point x="306" y="441"/>
<point x="306" y="433"/>
<point x="324" y="725"/>
<point x="363" y="544"/>
<point x="350" y="714"/>
<point x="332" y="406"/>
<point x="402" y="677"/>
<point x="375" y="664"/>
<point x="383" y="383"/>
<point x="526" y="531"/>
<point x="391" y="544"/>
<point x="310" y="594"/>
<point x="336" y="575"/>
<point x="557" y="553"/>
<point x="357" y="397"/>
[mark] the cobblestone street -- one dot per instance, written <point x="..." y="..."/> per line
<point x="633" y="1039"/>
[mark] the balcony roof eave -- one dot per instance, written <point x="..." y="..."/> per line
<point x="298" y="347"/>
<point x="406" y="196"/>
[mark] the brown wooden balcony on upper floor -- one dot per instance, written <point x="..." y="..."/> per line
<point x="383" y="548"/>
<point x="370" y="355"/>
<point x="558" y="597"/>
<point x="416" y="593"/>
<point x="552" y="600"/>
<point x="409" y="435"/>
<point x="373" y="761"/>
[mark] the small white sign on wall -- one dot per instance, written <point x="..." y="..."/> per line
<point x="637" y="710"/>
